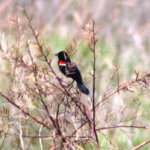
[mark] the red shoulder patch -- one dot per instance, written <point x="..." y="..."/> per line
<point x="62" y="63"/>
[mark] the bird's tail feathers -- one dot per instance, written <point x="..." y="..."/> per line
<point x="83" y="88"/>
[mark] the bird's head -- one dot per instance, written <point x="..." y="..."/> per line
<point x="63" y="56"/>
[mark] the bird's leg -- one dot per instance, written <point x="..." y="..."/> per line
<point x="70" y="85"/>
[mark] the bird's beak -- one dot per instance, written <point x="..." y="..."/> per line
<point x="56" y="54"/>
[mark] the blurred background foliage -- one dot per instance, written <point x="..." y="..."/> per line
<point x="123" y="27"/>
<point x="123" y="32"/>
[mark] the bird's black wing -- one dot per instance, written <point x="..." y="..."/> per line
<point x="73" y="72"/>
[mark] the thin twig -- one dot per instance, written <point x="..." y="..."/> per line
<point x="123" y="87"/>
<point x="123" y="126"/>
<point x="141" y="145"/>
<point x="23" y="111"/>
<point x="90" y="30"/>
<point x="93" y="42"/>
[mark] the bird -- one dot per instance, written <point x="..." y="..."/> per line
<point x="70" y="69"/>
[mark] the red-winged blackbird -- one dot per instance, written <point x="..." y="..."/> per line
<point x="69" y="69"/>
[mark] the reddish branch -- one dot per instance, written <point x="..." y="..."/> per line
<point x="23" y="111"/>
<point x="93" y="43"/>
<point x="125" y="86"/>
<point x="105" y="128"/>
<point x="141" y="145"/>
<point x="90" y="31"/>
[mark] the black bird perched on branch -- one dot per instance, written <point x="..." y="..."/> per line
<point x="70" y="69"/>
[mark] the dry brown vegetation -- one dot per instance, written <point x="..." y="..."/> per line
<point x="38" y="108"/>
